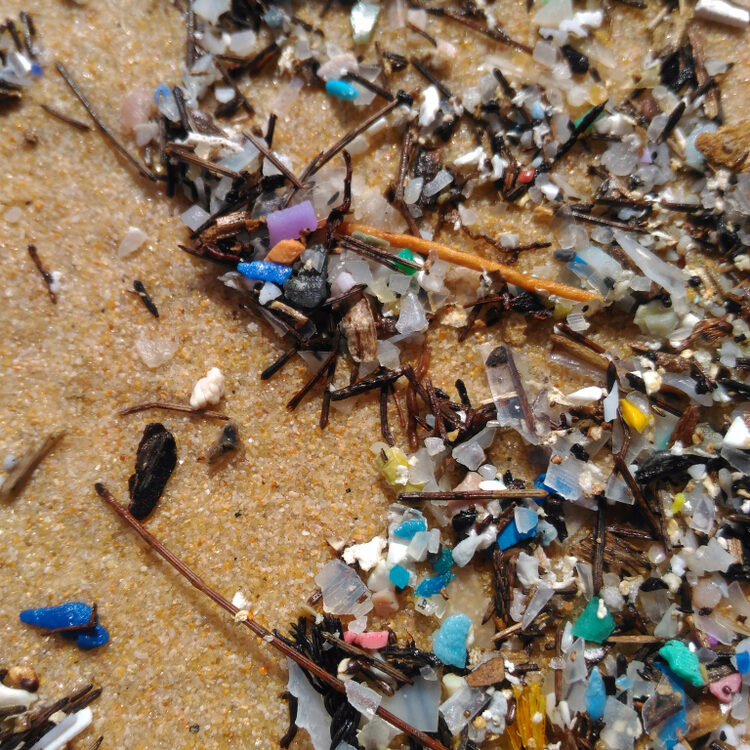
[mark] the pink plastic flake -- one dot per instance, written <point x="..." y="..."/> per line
<point x="374" y="640"/>
<point x="726" y="687"/>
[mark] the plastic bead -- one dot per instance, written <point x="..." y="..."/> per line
<point x="450" y="640"/>
<point x="683" y="662"/>
<point x="590" y="626"/>
<point x="342" y="90"/>
<point x="263" y="270"/>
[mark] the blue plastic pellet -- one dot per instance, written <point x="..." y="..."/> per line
<point x="511" y="536"/>
<point x="434" y="585"/>
<point x="162" y="90"/>
<point x="70" y="614"/>
<point x="399" y="576"/>
<point x="342" y="90"/>
<point x="93" y="638"/>
<point x="450" y="641"/>
<point x="409" y="528"/>
<point x="596" y="695"/>
<point x="265" y="270"/>
<point x="743" y="661"/>
<point x="444" y="562"/>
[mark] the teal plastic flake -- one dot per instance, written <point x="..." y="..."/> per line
<point x="444" y="562"/>
<point x="450" y="641"/>
<point x="408" y="529"/>
<point x="596" y="695"/>
<point x="399" y="576"/>
<point x="590" y="626"/>
<point x="683" y="662"/>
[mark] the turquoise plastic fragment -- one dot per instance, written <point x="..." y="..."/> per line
<point x="434" y="585"/>
<point x="444" y="562"/>
<point x="590" y="626"/>
<point x="409" y="528"/>
<point x="511" y="536"/>
<point x="399" y="576"/>
<point x="547" y="532"/>
<point x="406" y="254"/>
<point x="265" y="270"/>
<point x="93" y="638"/>
<point x="683" y="662"/>
<point x="596" y="695"/>
<point x="743" y="661"/>
<point x="450" y="640"/>
<point x="68" y="615"/>
<point x="342" y="90"/>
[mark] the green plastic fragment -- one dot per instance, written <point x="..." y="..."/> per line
<point x="683" y="662"/>
<point x="590" y="626"/>
<point x="406" y="254"/>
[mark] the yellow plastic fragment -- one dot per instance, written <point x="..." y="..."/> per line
<point x="633" y="416"/>
<point x="527" y="732"/>
<point x="395" y="470"/>
<point x="679" y="501"/>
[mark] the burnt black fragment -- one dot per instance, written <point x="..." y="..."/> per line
<point x="577" y="61"/>
<point x="154" y="464"/>
<point x="228" y="440"/>
<point x="663" y="465"/>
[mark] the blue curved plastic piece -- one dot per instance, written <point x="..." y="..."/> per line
<point x="450" y="641"/>
<point x="68" y="615"/>
<point x="93" y="638"/>
<point x="596" y="695"/>
<point x="162" y="90"/>
<point x="342" y="90"/>
<point x="265" y="270"/>
<point x="409" y="528"/>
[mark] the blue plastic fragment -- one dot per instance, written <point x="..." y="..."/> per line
<point x="265" y="270"/>
<point x="434" y="585"/>
<point x="450" y="641"/>
<point x="68" y="615"/>
<point x="537" y="110"/>
<point x="409" y="528"/>
<point x="444" y="562"/>
<point x="675" y="727"/>
<point x="399" y="576"/>
<point x="93" y="638"/>
<point x="547" y="532"/>
<point x="274" y="18"/>
<point x="342" y="90"/>
<point x="511" y="536"/>
<point x="162" y="90"/>
<point x="743" y="661"/>
<point x="596" y="695"/>
<point x="36" y="69"/>
<point x="540" y="485"/>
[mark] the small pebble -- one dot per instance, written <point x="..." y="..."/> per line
<point x="24" y="678"/>
<point x="10" y="462"/>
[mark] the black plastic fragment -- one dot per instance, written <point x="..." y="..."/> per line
<point x="154" y="464"/>
<point x="577" y="61"/>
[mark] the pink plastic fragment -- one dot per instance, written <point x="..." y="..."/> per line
<point x="373" y="639"/>
<point x="287" y="223"/>
<point x="726" y="687"/>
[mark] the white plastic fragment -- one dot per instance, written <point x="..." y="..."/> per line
<point x="587" y="395"/>
<point x="412" y="317"/>
<point x="70" y="727"/>
<point x="738" y="434"/>
<point x="363" y="698"/>
<point x="311" y="714"/>
<point x="367" y="554"/>
<point x="208" y="390"/>
<point x="210" y="9"/>
<point x="240" y="601"/>
<point x="417" y="704"/>
<point x="343" y="591"/>
<point x="194" y="217"/>
<point x="724" y="12"/>
<point x="14" y="697"/>
<point x="536" y="604"/>
<point x="154" y="352"/>
<point x="131" y="241"/>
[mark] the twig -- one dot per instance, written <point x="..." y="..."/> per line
<point x="46" y="275"/>
<point x="474" y="495"/>
<point x="77" y="124"/>
<point x="170" y="406"/>
<point x="273" y="159"/>
<point x="266" y="635"/>
<point x="25" y="467"/>
<point x="106" y="131"/>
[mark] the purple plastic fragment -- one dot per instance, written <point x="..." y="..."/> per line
<point x="287" y="223"/>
